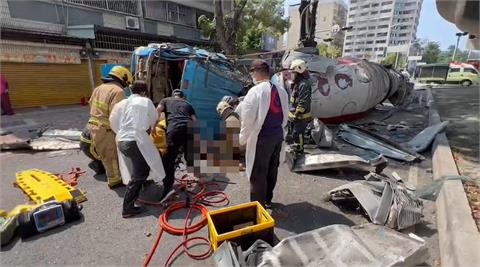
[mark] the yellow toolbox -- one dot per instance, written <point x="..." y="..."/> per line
<point x="242" y="224"/>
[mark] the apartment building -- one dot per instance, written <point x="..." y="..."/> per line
<point x="329" y="13"/>
<point x="52" y="50"/>
<point x="381" y="27"/>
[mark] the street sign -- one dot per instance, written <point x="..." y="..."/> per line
<point x="414" y="58"/>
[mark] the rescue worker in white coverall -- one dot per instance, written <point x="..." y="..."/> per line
<point x="131" y="119"/>
<point x="264" y="114"/>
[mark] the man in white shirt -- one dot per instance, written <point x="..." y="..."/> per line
<point x="264" y="114"/>
<point x="130" y="119"/>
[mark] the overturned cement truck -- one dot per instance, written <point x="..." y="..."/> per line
<point x="344" y="89"/>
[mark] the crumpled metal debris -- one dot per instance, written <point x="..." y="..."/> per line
<point x="423" y="140"/>
<point x="341" y="245"/>
<point x="399" y="126"/>
<point x="321" y="161"/>
<point x="370" y="141"/>
<point x="385" y="200"/>
<point x="321" y="134"/>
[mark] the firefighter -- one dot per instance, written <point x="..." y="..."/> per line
<point x="89" y="150"/>
<point x="300" y="100"/>
<point x="103" y="98"/>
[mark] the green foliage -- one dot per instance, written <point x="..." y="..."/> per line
<point x="331" y="51"/>
<point x="392" y="57"/>
<point x="446" y="56"/>
<point x="431" y="52"/>
<point x="257" y="18"/>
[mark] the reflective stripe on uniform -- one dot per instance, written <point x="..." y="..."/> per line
<point x="99" y="122"/>
<point x="300" y="110"/>
<point x="94" y="152"/>
<point x="85" y="140"/>
<point x="100" y="105"/>
<point x="299" y="116"/>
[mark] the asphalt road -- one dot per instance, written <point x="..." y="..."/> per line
<point x="461" y="106"/>
<point x="103" y="238"/>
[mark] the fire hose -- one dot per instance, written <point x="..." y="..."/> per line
<point x="200" y="200"/>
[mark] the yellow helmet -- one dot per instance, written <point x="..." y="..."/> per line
<point x="122" y="73"/>
<point x="298" y="66"/>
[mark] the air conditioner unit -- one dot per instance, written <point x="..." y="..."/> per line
<point x="132" y="23"/>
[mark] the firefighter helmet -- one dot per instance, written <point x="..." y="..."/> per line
<point x="121" y="73"/>
<point x="298" y="66"/>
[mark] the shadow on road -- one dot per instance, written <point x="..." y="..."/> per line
<point x="304" y="216"/>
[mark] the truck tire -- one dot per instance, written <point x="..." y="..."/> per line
<point x="466" y="83"/>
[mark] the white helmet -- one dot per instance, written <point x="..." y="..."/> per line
<point x="298" y="66"/>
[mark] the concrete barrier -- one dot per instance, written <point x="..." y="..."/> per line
<point x="458" y="235"/>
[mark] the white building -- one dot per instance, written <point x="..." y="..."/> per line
<point x="381" y="27"/>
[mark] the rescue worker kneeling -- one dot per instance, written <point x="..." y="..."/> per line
<point x="131" y="119"/>
<point x="300" y="101"/>
<point x="103" y="98"/>
<point x="89" y="150"/>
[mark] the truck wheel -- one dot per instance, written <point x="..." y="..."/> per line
<point x="466" y="83"/>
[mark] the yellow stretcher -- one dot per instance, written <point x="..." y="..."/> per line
<point x="41" y="186"/>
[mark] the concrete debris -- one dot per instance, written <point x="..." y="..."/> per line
<point x="370" y="141"/>
<point x="47" y="143"/>
<point x="385" y="200"/>
<point x="423" y="140"/>
<point x="340" y="245"/>
<point x="321" y="161"/>
<point x="431" y="191"/>
<point x="66" y="134"/>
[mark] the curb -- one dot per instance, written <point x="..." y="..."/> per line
<point x="459" y="239"/>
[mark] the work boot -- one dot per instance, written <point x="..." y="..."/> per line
<point x="97" y="167"/>
<point x="135" y="210"/>
<point x="115" y="184"/>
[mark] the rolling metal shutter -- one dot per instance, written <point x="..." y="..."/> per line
<point x="33" y="84"/>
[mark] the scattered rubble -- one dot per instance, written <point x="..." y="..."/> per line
<point x="423" y="140"/>
<point x="341" y="245"/>
<point x="386" y="200"/>
<point x="370" y="141"/>
<point x="322" y="161"/>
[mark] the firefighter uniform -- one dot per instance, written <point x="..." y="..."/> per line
<point x="300" y="102"/>
<point x="103" y="98"/>
<point x="89" y="150"/>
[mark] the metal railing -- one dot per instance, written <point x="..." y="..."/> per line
<point x="129" y="7"/>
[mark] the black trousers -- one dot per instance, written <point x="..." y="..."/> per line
<point x="177" y="138"/>
<point x="96" y="165"/>
<point x="297" y="131"/>
<point x="138" y="168"/>
<point x="265" y="169"/>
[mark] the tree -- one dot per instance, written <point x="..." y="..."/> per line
<point x="331" y="51"/>
<point x="446" y="56"/>
<point x="392" y="57"/>
<point x="242" y="29"/>
<point x="431" y="52"/>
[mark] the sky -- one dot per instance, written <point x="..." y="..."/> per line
<point x="432" y="26"/>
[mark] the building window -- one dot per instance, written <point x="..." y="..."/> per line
<point x="353" y="8"/>
<point x="380" y="41"/>
<point x="374" y="5"/>
<point x="362" y="28"/>
<point x="364" y="14"/>
<point x="172" y="12"/>
<point x="348" y="37"/>
<point x="369" y="42"/>
<point x="365" y="6"/>
<point x="368" y="49"/>
<point x="381" y="34"/>
<point x="387" y="3"/>
<point x="373" y="12"/>
<point x="383" y="26"/>
<point x="370" y="35"/>
<point x="353" y="1"/>
<point x="385" y="11"/>
<point x="372" y="28"/>
<point x="125" y="6"/>
<point x="349" y="43"/>
<point x="348" y="50"/>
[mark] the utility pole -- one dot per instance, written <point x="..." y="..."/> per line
<point x="458" y="34"/>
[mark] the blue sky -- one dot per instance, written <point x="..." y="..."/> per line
<point x="432" y="26"/>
